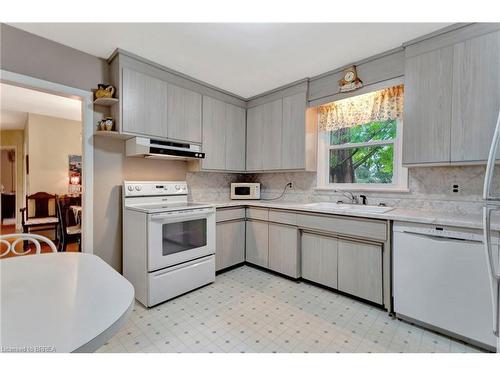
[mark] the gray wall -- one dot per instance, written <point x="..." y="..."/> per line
<point x="31" y="55"/>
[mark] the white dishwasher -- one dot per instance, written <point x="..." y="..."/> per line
<point x="441" y="279"/>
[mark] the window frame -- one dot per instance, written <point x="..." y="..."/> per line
<point x="400" y="173"/>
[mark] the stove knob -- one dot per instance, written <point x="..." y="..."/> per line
<point x="130" y="188"/>
<point x="138" y="188"/>
<point x="177" y="187"/>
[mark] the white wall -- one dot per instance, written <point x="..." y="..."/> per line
<point x="50" y="142"/>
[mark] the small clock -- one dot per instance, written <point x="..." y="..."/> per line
<point x="350" y="80"/>
<point x="349" y="76"/>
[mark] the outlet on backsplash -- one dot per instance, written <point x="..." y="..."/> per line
<point x="455" y="188"/>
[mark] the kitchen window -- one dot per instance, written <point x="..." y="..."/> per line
<point x="360" y="143"/>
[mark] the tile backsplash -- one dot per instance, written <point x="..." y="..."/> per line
<point x="430" y="188"/>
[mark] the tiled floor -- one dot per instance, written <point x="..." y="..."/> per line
<point x="249" y="310"/>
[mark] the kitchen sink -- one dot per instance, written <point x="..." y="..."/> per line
<point x="359" y="208"/>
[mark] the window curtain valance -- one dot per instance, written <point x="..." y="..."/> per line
<point x="380" y="105"/>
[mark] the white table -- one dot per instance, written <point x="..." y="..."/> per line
<point x="63" y="302"/>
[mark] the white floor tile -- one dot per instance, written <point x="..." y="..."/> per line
<point x="252" y="311"/>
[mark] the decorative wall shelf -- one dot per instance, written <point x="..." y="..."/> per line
<point x="112" y="134"/>
<point x="106" y="102"/>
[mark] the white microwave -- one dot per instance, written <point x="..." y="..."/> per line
<point x="245" y="190"/>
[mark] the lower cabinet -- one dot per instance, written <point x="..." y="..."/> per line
<point x="360" y="270"/>
<point x="319" y="259"/>
<point x="230" y="244"/>
<point x="284" y="249"/>
<point x="257" y="243"/>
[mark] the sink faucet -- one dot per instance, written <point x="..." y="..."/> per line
<point x="349" y="195"/>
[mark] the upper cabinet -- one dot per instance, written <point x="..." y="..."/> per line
<point x="427" y="106"/>
<point x="184" y="114"/>
<point x="476" y="97"/>
<point x="223" y="136"/>
<point x="452" y="97"/>
<point x="144" y="101"/>
<point x="278" y="135"/>
<point x="160" y="103"/>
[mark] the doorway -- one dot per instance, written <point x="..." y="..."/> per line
<point x="8" y="187"/>
<point x="74" y="181"/>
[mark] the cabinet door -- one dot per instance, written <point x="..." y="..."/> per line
<point x="255" y="126"/>
<point x="284" y="250"/>
<point x="144" y="103"/>
<point x="184" y="114"/>
<point x="319" y="259"/>
<point x="427" y="109"/>
<point x="235" y="138"/>
<point x="214" y="133"/>
<point x="272" y="135"/>
<point x="230" y="244"/>
<point x="257" y="245"/>
<point x="360" y="270"/>
<point x="293" y="150"/>
<point x="476" y="97"/>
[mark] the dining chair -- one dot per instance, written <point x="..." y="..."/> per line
<point x="24" y="237"/>
<point x="39" y="213"/>
<point x="67" y="233"/>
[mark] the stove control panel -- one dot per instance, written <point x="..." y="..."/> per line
<point x="154" y="188"/>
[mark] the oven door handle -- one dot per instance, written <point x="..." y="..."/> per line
<point x="201" y="213"/>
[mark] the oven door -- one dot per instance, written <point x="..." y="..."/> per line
<point x="180" y="236"/>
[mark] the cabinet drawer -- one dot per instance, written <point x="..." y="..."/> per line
<point x="258" y="213"/>
<point x="283" y="217"/>
<point x="225" y="214"/>
<point x="344" y="225"/>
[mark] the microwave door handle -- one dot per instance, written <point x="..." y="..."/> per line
<point x="492" y="268"/>
<point x="490" y="166"/>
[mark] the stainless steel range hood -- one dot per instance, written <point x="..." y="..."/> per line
<point x="158" y="149"/>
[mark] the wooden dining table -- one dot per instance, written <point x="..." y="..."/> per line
<point x="61" y="302"/>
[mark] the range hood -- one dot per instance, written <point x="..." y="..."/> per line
<point x="157" y="149"/>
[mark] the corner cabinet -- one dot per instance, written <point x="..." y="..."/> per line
<point x="452" y="97"/>
<point x="223" y="136"/>
<point x="278" y="128"/>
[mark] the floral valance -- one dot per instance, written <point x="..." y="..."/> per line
<point x="380" y="105"/>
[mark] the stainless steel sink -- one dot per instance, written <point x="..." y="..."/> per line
<point x="359" y="208"/>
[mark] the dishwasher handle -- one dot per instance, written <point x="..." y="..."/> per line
<point x="443" y="238"/>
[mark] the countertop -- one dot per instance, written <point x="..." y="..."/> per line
<point x="473" y="221"/>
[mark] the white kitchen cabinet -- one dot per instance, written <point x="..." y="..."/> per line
<point x="257" y="243"/>
<point x="319" y="259"/>
<point x="230" y="244"/>
<point x="284" y="250"/>
<point x="184" y="114"/>
<point x="144" y="104"/>
<point x="360" y="269"/>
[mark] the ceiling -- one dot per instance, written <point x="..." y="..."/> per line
<point x="16" y="102"/>
<point x="243" y="58"/>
